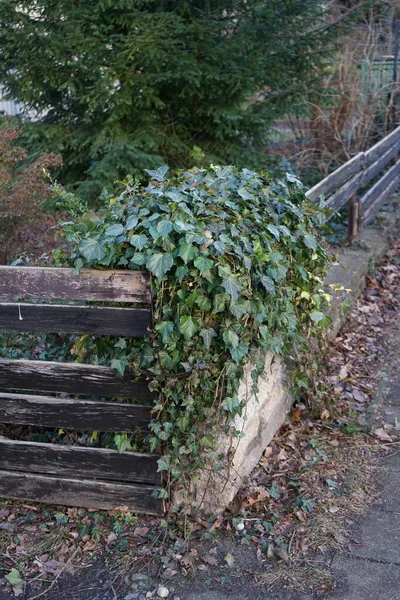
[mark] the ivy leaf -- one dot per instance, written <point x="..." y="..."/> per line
<point x="121" y="343"/>
<point x="114" y="230"/>
<point x="274" y="230"/>
<point x="238" y="309"/>
<point x="232" y="286"/>
<point x="139" y="240"/>
<point x="310" y="241"/>
<point x="14" y="578"/>
<point x="188" y="326"/>
<point x="317" y="316"/>
<point x="119" y="364"/>
<point x="164" y="463"/>
<point x="159" y="174"/>
<point x="203" y="303"/>
<point x="132" y="222"/>
<point x="122" y="442"/>
<point x="239" y="352"/>
<point x="207" y="441"/>
<point x="230" y="338"/>
<point x="159" y="264"/>
<point x="164" y="227"/>
<point x="181" y="272"/>
<point x="208" y="335"/>
<point x="203" y="264"/>
<point x="187" y="252"/>
<point x="219" y="303"/>
<point x="92" y="249"/>
<point x="243" y="193"/>
<point x="268" y="284"/>
<point x="138" y="259"/>
<point x="165" y="328"/>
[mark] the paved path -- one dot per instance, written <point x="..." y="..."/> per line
<point x="371" y="569"/>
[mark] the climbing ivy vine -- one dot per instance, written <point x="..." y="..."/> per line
<point x="237" y="270"/>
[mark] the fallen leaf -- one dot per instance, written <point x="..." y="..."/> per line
<point x="111" y="538"/>
<point x="382" y="434"/>
<point x="359" y="396"/>
<point x="210" y="560"/>
<point x="229" y="559"/>
<point x="140" y="531"/>
<point x="14" y="578"/>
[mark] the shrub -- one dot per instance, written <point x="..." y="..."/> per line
<point x="237" y="270"/>
<point x="23" y="189"/>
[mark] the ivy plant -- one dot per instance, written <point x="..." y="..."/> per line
<point x="237" y="271"/>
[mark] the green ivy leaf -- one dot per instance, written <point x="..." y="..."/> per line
<point x="316" y="316"/>
<point x="14" y="578"/>
<point x="310" y="241"/>
<point x="188" y="326"/>
<point x="164" y="227"/>
<point x="92" y="249"/>
<point x="203" y="303"/>
<point x="164" y="463"/>
<point x="208" y="335"/>
<point x="138" y="259"/>
<point x="159" y="264"/>
<point x="119" y="364"/>
<point x="207" y="441"/>
<point x="122" y="442"/>
<point x="139" y="240"/>
<point x="131" y="222"/>
<point x="165" y="328"/>
<point x="232" y="286"/>
<point x="219" y="303"/>
<point x="230" y="338"/>
<point x="187" y="252"/>
<point x="114" y="230"/>
<point x="268" y="284"/>
<point x="274" y="230"/>
<point x="203" y="264"/>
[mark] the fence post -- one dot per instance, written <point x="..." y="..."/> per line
<point x="353" y="218"/>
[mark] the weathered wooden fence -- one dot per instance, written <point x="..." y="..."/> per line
<point x="344" y="184"/>
<point x="72" y="475"/>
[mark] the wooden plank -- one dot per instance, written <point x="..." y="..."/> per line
<point x="375" y="168"/>
<point x="52" y="283"/>
<point x="370" y="212"/>
<point x="42" y="318"/>
<point x="343" y="194"/>
<point x="336" y="179"/>
<point x="71" y="378"/>
<point x="379" y="187"/>
<point x="47" y="411"/>
<point x="390" y="141"/>
<point x="79" y="492"/>
<point x="76" y="462"/>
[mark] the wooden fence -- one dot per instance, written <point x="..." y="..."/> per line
<point x="344" y="184"/>
<point x="73" y="475"/>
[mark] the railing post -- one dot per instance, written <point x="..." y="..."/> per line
<point x="353" y="218"/>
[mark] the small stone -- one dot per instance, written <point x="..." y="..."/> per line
<point x="176" y="597"/>
<point x="162" y="592"/>
<point x="240" y="526"/>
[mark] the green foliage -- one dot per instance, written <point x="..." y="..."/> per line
<point x="124" y="85"/>
<point x="236" y="269"/>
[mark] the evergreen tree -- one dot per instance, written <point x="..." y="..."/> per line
<point x="124" y="85"/>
